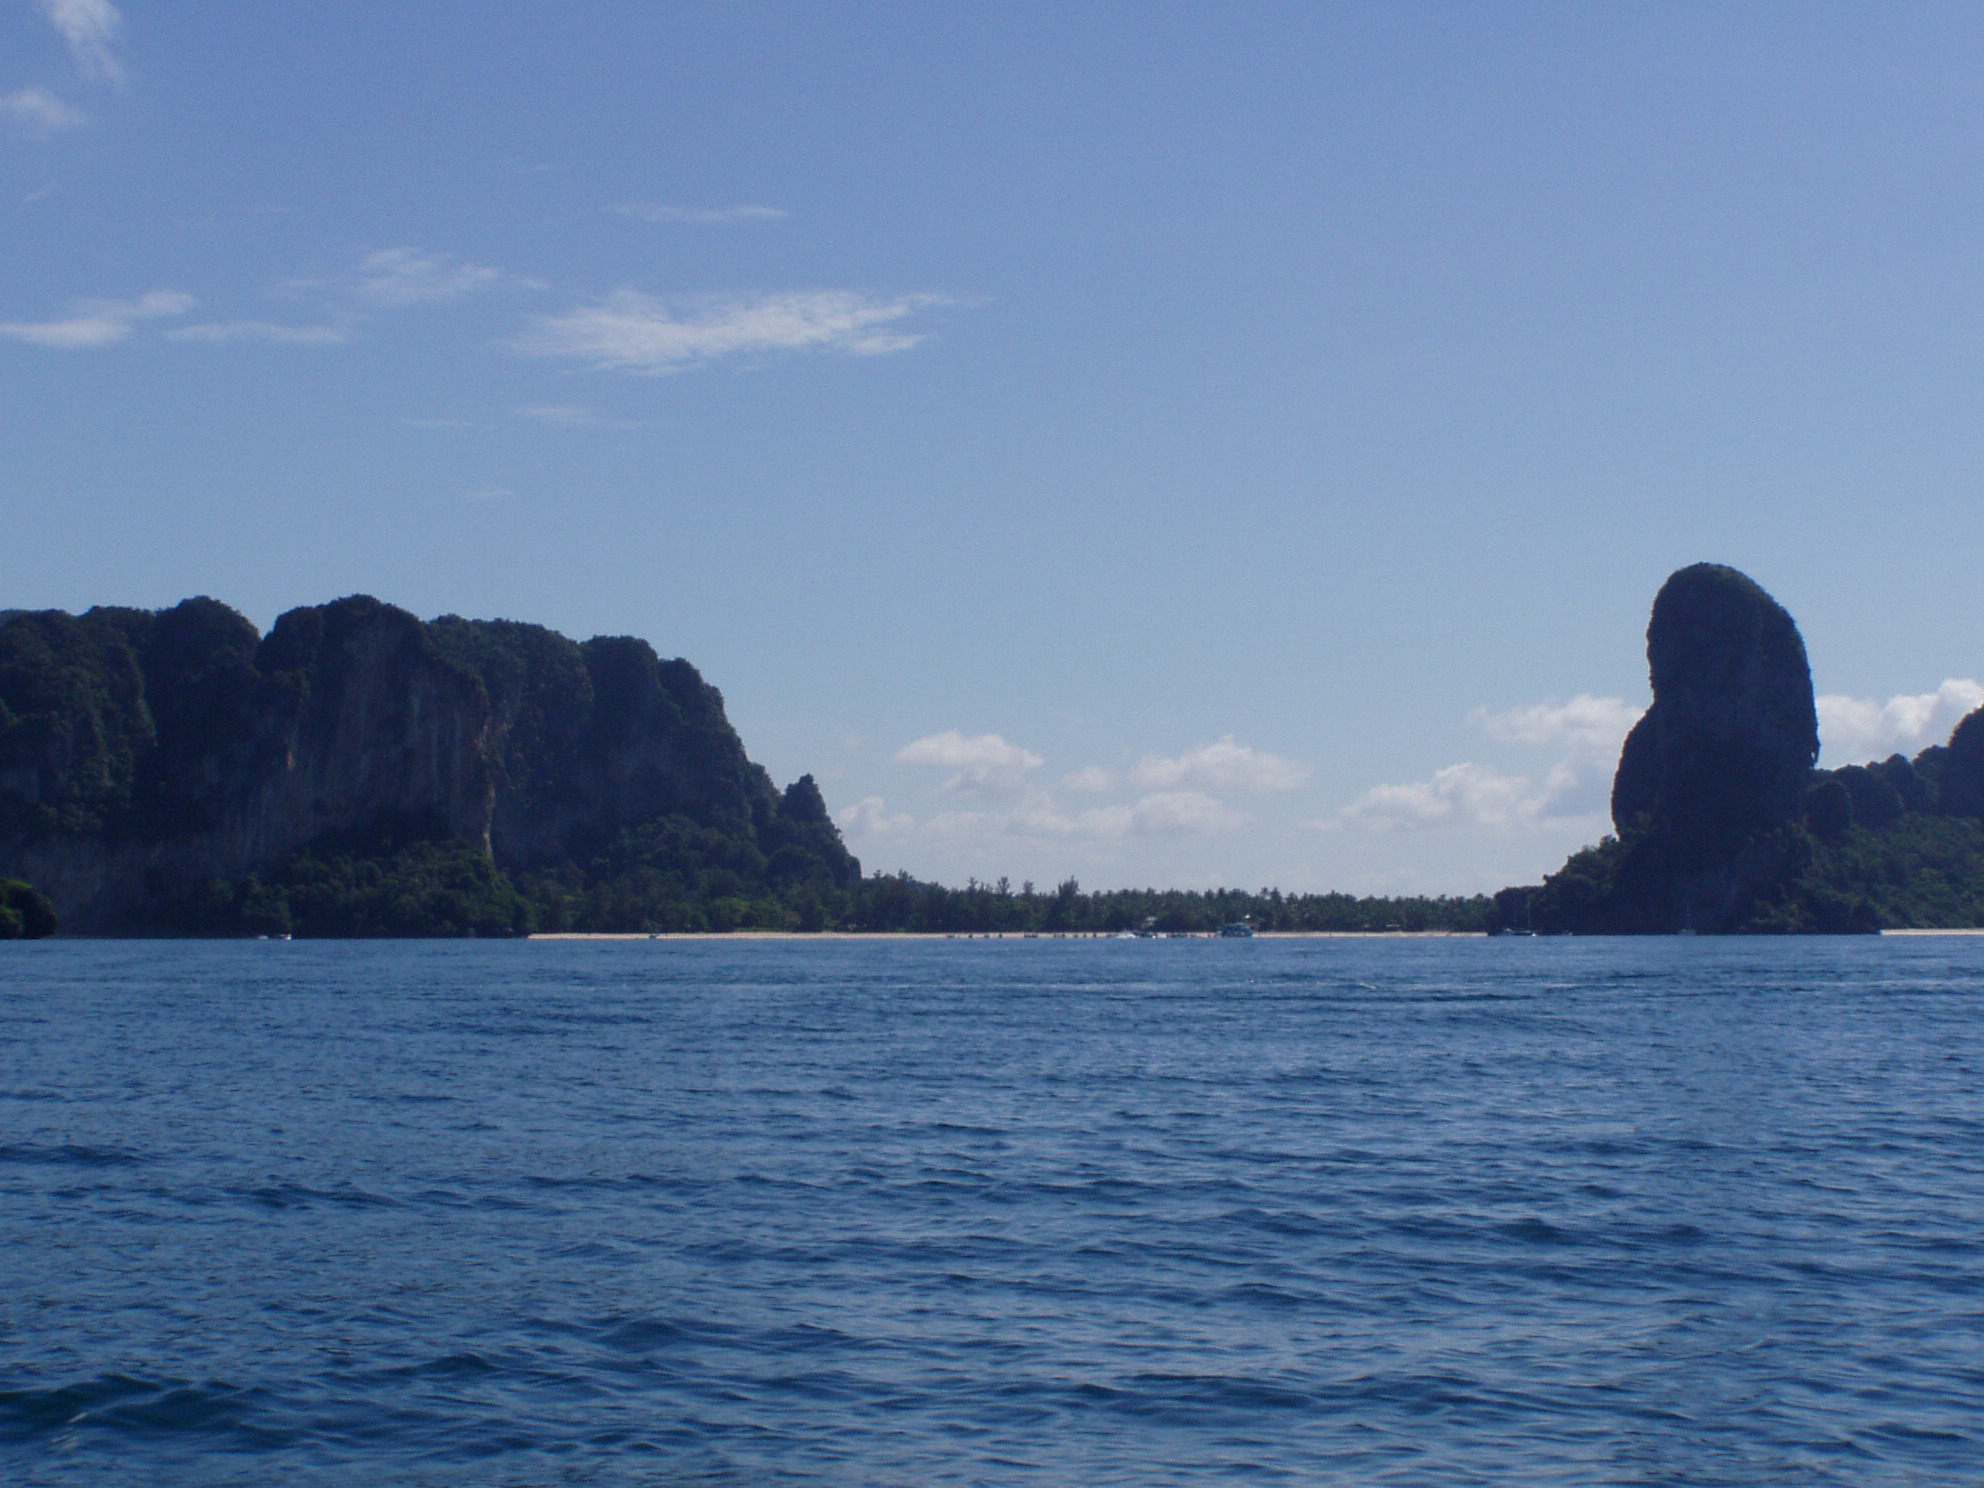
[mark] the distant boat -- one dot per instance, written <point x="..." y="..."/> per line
<point x="1238" y="930"/>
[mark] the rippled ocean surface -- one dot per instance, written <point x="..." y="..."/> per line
<point x="993" y="1212"/>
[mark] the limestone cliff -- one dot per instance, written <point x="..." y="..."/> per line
<point x="141" y="752"/>
<point x="1724" y="753"/>
<point x="1712" y="776"/>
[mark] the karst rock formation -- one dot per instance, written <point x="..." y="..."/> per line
<point x="144" y="751"/>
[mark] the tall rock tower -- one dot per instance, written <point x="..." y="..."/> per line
<point x="1723" y="755"/>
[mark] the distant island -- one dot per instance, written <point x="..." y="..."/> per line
<point x="360" y="772"/>
<point x="1723" y="825"/>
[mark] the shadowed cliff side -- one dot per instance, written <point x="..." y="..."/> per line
<point x="1722" y="822"/>
<point x="1720" y="759"/>
<point x="176" y="771"/>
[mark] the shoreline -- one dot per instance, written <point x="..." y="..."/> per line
<point x="999" y="935"/>
<point x="817" y="935"/>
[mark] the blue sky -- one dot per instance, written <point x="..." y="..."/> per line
<point x="1163" y="443"/>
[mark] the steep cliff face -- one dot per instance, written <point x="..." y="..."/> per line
<point x="1725" y="750"/>
<point x="369" y="720"/>
<point x="1711" y="778"/>
<point x="140" y="752"/>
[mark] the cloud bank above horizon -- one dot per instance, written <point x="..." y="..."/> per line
<point x="1576" y="789"/>
<point x="1168" y="797"/>
<point x="1185" y="795"/>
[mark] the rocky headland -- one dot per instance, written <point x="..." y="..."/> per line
<point x="1722" y="822"/>
<point x="358" y="770"/>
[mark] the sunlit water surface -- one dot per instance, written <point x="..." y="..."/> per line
<point x="993" y="1212"/>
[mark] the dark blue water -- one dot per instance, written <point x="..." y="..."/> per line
<point x="1013" y="1212"/>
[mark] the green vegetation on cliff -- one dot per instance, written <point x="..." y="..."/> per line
<point x="25" y="913"/>
<point x="1724" y="826"/>
<point x="358" y="772"/>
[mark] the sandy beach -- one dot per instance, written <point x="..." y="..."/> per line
<point x="1011" y="935"/>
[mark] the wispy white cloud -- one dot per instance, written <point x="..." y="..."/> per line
<point x="1183" y="814"/>
<point x="983" y="764"/>
<point x="1222" y="766"/>
<point x="1590" y="730"/>
<point x="572" y="416"/>
<point x="992" y="770"/>
<point x="1595" y="724"/>
<point x="1158" y="814"/>
<point x="638" y="333"/>
<point x="394" y="278"/>
<point x="91" y="28"/>
<point x="870" y="817"/>
<point x="40" y="111"/>
<point x="1459" y="795"/>
<point x="1575" y="791"/>
<point x="98" y="322"/>
<point x="1854" y="730"/>
<point x="397" y="278"/>
<point x="262" y="330"/>
<point x="700" y="216"/>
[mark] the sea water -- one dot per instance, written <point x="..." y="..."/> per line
<point x="1685" y="1211"/>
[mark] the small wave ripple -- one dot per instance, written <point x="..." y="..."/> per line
<point x="1023" y="1213"/>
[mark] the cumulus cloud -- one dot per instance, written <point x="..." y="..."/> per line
<point x="40" y="111"/>
<point x="700" y="216"/>
<point x="870" y="817"/>
<point x="1460" y="795"/>
<point x="983" y="764"/>
<point x="262" y="330"/>
<point x="1090" y="780"/>
<point x="1575" y="791"/>
<point x="1183" y="814"/>
<point x="638" y="333"/>
<point x="997" y="776"/>
<point x="98" y="322"/>
<point x="1221" y="766"/>
<point x="1593" y="724"/>
<point x="1855" y="730"/>
<point x="91" y="28"/>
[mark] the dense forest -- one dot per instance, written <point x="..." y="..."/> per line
<point x="416" y="884"/>
<point x="25" y="912"/>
